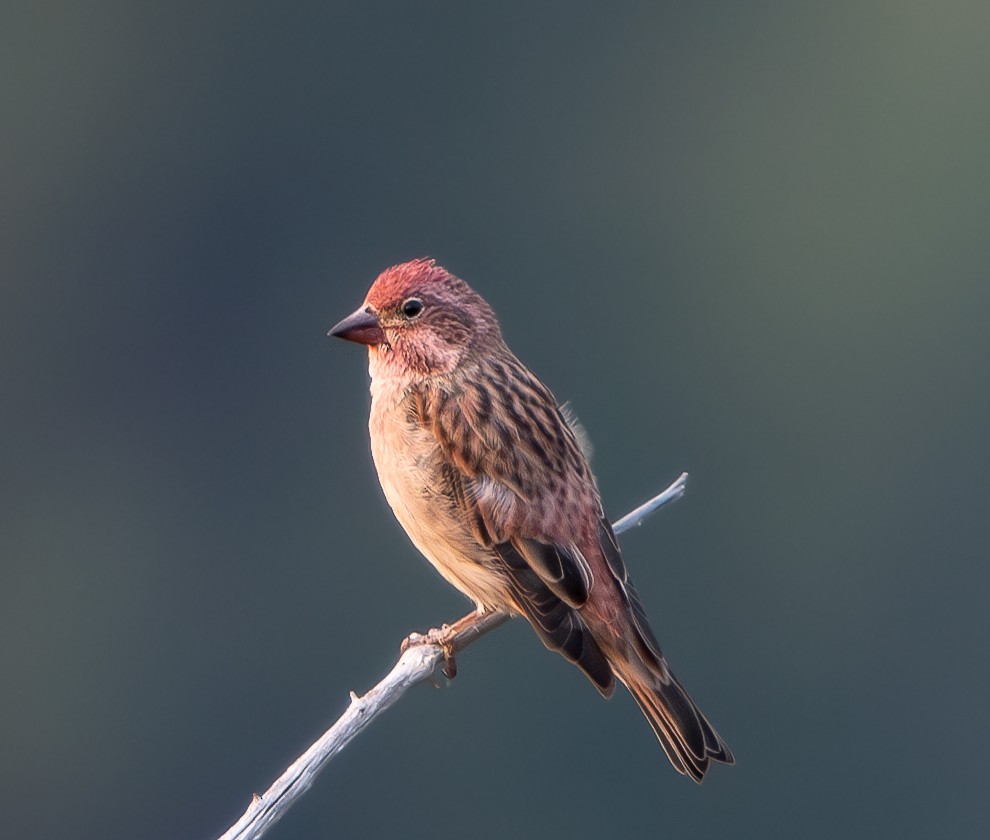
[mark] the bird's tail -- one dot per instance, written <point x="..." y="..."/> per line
<point x="690" y="741"/>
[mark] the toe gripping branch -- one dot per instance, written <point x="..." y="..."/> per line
<point x="452" y="638"/>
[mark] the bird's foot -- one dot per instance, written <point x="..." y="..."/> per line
<point x="442" y="637"/>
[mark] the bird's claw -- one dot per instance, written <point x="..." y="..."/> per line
<point x="441" y="637"/>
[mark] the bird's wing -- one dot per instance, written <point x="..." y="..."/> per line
<point x="523" y="475"/>
<point x="517" y="471"/>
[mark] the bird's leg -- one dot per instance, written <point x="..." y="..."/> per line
<point x="453" y="637"/>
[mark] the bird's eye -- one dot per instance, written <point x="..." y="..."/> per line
<point x="412" y="307"/>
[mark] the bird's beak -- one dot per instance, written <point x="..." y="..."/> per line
<point x="362" y="326"/>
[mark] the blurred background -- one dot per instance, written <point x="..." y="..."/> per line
<point x="749" y="241"/>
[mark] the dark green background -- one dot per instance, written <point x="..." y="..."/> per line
<point x="748" y="240"/>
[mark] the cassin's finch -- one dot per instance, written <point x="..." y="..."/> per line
<point x="490" y="482"/>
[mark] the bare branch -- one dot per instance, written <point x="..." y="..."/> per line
<point x="422" y="656"/>
<point x="635" y="518"/>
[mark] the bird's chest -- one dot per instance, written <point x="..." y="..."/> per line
<point x="411" y="470"/>
<point x="415" y="479"/>
<point x="407" y="458"/>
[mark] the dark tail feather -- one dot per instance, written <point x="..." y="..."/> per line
<point x="690" y="741"/>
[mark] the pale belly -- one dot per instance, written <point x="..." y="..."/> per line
<point x="408" y="462"/>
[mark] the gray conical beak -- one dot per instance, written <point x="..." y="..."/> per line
<point x="362" y="326"/>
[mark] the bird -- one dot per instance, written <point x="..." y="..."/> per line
<point x="492" y="483"/>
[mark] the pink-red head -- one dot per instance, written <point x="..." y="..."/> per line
<point x="420" y="316"/>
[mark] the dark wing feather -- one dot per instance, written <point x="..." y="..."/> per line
<point x="649" y="646"/>
<point x="563" y="570"/>
<point x="557" y="624"/>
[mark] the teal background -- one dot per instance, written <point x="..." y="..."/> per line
<point x="747" y="240"/>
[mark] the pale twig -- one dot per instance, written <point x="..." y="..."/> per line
<point x="635" y="518"/>
<point x="418" y="663"/>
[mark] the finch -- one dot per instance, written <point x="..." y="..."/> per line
<point x="488" y="478"/>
